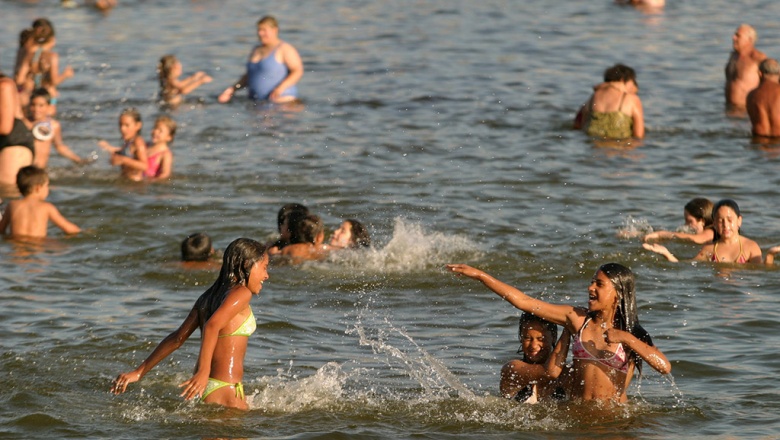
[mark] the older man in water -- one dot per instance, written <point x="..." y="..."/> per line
<point x="742" y="67"/>
<point x="763" y="103"/>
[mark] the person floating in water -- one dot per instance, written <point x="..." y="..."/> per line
<point x="273" y="69"/>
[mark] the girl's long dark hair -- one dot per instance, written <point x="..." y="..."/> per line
<point x="237" y="262"/>
<point x="626" y="316"/>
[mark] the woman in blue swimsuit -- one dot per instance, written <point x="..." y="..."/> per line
<point x="226" y="320"/>
<point x="607" y="341"/>
<point x="273" y="69"/>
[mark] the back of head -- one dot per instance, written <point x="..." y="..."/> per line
<point x="196" y="247"/>
<point x="29" y="177"/>
<point x="360" y="237"/>
<point x="619" y="73"/>
<point x="164" y="68"/>
<point x="237" y="262"/>
<point x="307" y="230"/>
<point x="287" y="210"/>
<point x="770" y="67"/>
<point x="700" y="209"/>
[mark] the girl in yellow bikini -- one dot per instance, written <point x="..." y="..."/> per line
<point x="728" y="246"/>
<point x="225" y="319"/>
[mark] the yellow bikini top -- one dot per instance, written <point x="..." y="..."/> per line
<point x="246" y="328"/>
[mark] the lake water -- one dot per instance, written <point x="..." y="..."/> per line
<point x="444" y="126"/>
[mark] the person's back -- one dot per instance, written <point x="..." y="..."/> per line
<point x="29" y="216"/>
<point x="307" y="241"/>
<point x="763" y="103"/>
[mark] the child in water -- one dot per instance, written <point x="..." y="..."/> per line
<point x="306" y="241"/>
<point x="132" y="155"/>
<point x="608" y="343"/>
<point x="225" y="319"/>
<point x="159" y="155"/>
<point x="727" y="245"/>
<point x="38" y="65"/>
<point x="173" y="89"/>
<point x="30" y="216"/>
<point x="698" y="219"/>
<point x="529" y="380"/>
<point x="46" y="130"/>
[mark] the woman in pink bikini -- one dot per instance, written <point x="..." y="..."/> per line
<point x="607" y="344"/>
<point x="728" y="246"/>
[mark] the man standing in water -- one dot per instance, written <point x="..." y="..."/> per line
<point x="763" y="103"/>
<point x="742" y="68"/>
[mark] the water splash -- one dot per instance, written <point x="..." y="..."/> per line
<point x="632" y="227"/>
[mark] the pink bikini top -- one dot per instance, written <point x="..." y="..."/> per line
<point x="619" y="361"/>
<point x="153" y="165"/>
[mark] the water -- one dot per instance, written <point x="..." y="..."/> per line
<point x="444" y="127"/>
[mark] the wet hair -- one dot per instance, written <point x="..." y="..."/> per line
<point x="24" y="36"/>
<point x="620" y="73"/>
<point x="29" y="177"/>
<point x="729" y="203"/>
<point x="700" y="209"/>
<point x="196" y="247"/>
<point x="307" y="230"/>
<point x="237" y="262"/>
<point x="164" y="68"/>
<point x="360" y="237"/>
<point x="288" y="210"/>
<point x="41" y="92"/>
<point x="168" y="122"/>
<point x="269" y="20"/>
<point x="528" y="318"/>
<point x="42" y="30"/>
<point x="626" y="315"/>
<point x="769" y="67"/>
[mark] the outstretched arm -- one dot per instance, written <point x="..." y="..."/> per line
<point x="705" y="236"/>
<point x="63" y="149"/>
<point x="191" y="83"/>
<point x="770" y="254"/>
<point x="230" y="91"/>
<point x="660" y="249"/>
<point x="559" y="314"/>
<point x="235" y="301"/>
<point x="167" y="346"/>
<point x="61" y="222"/>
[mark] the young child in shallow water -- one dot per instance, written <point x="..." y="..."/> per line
<point x="159" y="155"/>
<point x="173" y="89"/>
<point x="698" y="218"/>
<point x="727" y="246"/>
<point x="38" y="65"/>
<point x="30" y="216"/>
<point x="306" y="241"/>
<point x="131" y="156"/>
<point x="607" y="341"/>
<point x="47" y="131"/>
<point x="530" y="379"/>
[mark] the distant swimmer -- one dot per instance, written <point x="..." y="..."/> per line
<point x="172" y="87"/>
<point x="614" y="110"/>
<point x="763" y="102"/>
<point x="697" y="214"/>
<point x="350" y="235"/>
<point x="273" y="69"/>
<point x="742" y="68"/>
<point x="645" y="4"/>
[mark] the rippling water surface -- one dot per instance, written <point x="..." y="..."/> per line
<point x="445" y="127"/>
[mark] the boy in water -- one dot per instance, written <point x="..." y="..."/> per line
<point x="29" y="217"/>
<point x="47" y="130"/>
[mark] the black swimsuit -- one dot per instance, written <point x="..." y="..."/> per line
<point x="20" y="136"/>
